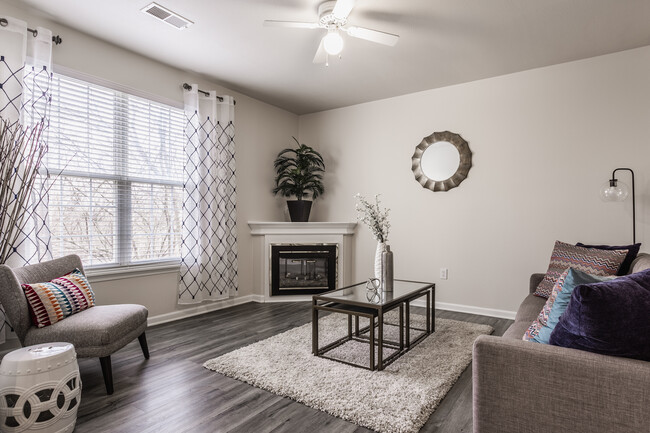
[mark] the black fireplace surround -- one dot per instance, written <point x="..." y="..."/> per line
<point x="303" y="269"/>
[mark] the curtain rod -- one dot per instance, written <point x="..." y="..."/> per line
<point x="56" y="39"/>
<point x="220" y="98"/>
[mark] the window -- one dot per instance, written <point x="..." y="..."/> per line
<point x="117" y="161"/>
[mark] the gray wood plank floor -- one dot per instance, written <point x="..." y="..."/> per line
<point x="172" y="392"/>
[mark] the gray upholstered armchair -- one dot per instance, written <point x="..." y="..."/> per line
<point x="96" y="332"/>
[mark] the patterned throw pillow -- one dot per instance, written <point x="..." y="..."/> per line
<point x="53" y="301"/>
<point x="542" y="318"/>
<point x="590" y="260"/>
<point x="632" y="251"/>
<point x="541" y="329"/>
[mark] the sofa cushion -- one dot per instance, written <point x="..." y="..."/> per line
<point x="590" y="260"/>
<point x="527" y="312"/>
<point x="516" y="330"/>
<point x="559" y="301"/>
<point x="98" y="331"/>
<point x="529" y="308"/>
<point x="632" y="251"/>
<point x="53" y="301"/>
<point x="610" y="317"/>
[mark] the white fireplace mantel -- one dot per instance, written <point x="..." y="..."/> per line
<point x="266" y="234"/>
<point x="310" y="228"/>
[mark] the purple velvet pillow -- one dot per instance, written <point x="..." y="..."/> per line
<point x="611" y="318"/>
<point x="632" y="252"/>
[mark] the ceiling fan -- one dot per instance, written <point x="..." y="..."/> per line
<point x="333" y="16"/>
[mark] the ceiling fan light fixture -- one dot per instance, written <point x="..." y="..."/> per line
<point x="333" y="43"/>
<point x="333" y="17"/>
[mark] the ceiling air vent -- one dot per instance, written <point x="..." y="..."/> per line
<point x="164" y="14"/>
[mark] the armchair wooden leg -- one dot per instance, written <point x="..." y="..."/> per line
<point x="143" y="344"/>
<point x="107" y="371"/>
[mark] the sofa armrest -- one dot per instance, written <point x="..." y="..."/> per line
<point x="535" y="279"/>
<point x="641" y="263"/>
<point x="522" y="387"/>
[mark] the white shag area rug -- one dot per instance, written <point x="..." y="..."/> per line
<point x="398" y="399"/>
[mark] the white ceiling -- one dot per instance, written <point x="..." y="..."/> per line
<point x="442" y="42"/>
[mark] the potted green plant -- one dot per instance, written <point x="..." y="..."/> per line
<point x="299" y="174"/>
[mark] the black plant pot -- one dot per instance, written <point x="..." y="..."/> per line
<point x="299" y="210"/>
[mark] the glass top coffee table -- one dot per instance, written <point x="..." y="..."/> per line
<point x="359" y="302"/>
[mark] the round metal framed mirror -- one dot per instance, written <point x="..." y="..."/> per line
<point x="441" y="161"/>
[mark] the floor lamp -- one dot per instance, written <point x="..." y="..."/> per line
<point x="615" y="190"/>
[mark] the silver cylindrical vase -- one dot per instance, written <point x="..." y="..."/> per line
<point x="387" y="269"/>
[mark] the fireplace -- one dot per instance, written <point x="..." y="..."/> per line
<point x="334" y="238"/>
<point x="303" y="269"/>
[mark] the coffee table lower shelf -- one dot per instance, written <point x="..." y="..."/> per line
<point x="373" y="333"/>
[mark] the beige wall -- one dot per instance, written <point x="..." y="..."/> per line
<point x="543" y="142"/>
<point x="261" y="131"/>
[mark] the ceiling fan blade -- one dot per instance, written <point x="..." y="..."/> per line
<point x="321" y="54"/>
<point x="293" y="24"/>
<point x="372" y="35"/>
<point x="342" y="8"/>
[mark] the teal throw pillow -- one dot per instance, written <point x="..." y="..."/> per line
<point x="573" y="279"/>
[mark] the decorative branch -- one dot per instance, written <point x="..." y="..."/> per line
<point x="21" y="156"/>
<point x="374" y="217"/>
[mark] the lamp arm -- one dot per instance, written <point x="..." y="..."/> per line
<point x="633" y="200"/>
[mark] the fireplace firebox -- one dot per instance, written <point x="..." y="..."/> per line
<point x="303" y="269"/>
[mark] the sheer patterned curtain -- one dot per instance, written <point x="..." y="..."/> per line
<point x="26" y="74"/>
<point x="209" y="239"/>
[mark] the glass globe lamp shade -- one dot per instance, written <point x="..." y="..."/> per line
<point x="333" y="43"/>
<point x="614" y="190"/>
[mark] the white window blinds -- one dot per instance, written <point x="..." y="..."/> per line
<point x="118" y="164"/>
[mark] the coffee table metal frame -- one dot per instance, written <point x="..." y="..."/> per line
<point x="370" y="311"/>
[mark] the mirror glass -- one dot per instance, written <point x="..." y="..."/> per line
<point x="440" y="161"/>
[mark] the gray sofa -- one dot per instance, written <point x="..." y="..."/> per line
<point x="521" y="387"/>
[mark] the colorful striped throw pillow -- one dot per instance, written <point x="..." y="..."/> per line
<point x="62" y="297"/>
<point x="533" y="330"/>
<point x="590" y="261"/>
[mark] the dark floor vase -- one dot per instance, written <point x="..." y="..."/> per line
<point x="299" y="210"/>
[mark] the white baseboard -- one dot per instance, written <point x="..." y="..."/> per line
<point x="219" y="305"/>
<point x="492" y="312"/>
<point x="199" y="309"/>
<point x="285" y="298"/>
<point x="257" y="298"/>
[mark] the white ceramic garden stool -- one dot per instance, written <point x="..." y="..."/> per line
<point x="40" y="389"/>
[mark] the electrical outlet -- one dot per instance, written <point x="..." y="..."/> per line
<point x="444" y="272"/>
